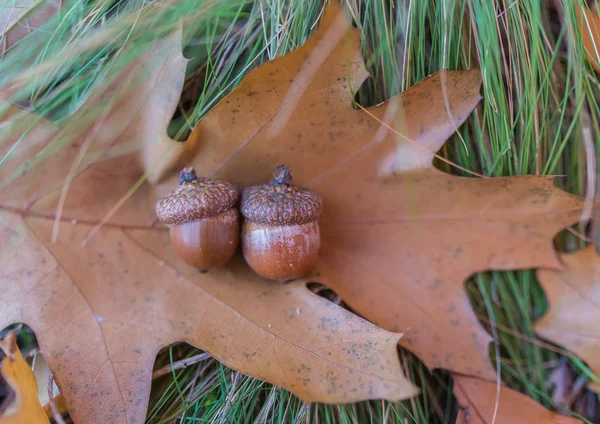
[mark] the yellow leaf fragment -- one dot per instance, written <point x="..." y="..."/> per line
<point x="21" y="405"/>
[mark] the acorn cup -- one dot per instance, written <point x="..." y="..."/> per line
<point x="202" y="219"/>
<point x="280" y="232"/>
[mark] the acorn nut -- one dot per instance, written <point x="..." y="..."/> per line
<point x="203" y="222"/>
<point x="280" y="233"/>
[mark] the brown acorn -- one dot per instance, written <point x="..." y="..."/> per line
<point x="280" y="233"/>
<point x="203" y="222"/>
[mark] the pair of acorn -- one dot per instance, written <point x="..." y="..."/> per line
<point x="280" y="233"/>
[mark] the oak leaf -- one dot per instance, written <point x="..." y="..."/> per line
<point x="399" y="237"/>
<point x="573" y="298"/>
<point x="102" y="311"/>
<point x="20" y="402"/>
<point x="484" y="402"/>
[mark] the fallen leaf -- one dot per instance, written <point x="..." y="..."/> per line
<point x="102" y="311"/>
<point x="399" y="237"/>
<point x="574" y="298"/>
<point x="481" y="404"/>
<point x="20" y="403"/>
<point x="19" y="18"/>
<point x="588" y="22"/>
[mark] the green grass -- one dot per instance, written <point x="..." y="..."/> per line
<point x="540" y="107"/>
<point x="210" y="392"/>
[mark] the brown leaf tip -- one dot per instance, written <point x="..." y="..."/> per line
<point x="280" y="203"/>
<point x="196" y="198"/>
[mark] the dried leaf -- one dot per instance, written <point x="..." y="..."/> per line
<point x="573" y="296"/>
<point x="588" y="22"/>
<point x="21" y="404"/>
<point x="102" y="311"/>
<point x="19" y="18"/>
<point x="399" y="237"/>
<point x="480" y="404"/>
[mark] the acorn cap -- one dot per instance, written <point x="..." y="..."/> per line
<point x="279" y="203"/>
<point x="196" y="198"/>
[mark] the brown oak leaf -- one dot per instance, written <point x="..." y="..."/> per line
<point x="574" y="306"/>
<point x="484" y="402"/>
<point x="103" y="308"/>
<point x="399" y="237"/>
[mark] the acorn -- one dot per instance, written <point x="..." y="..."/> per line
<point x="202" y="219"/>
<point x="280" y="232"/>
